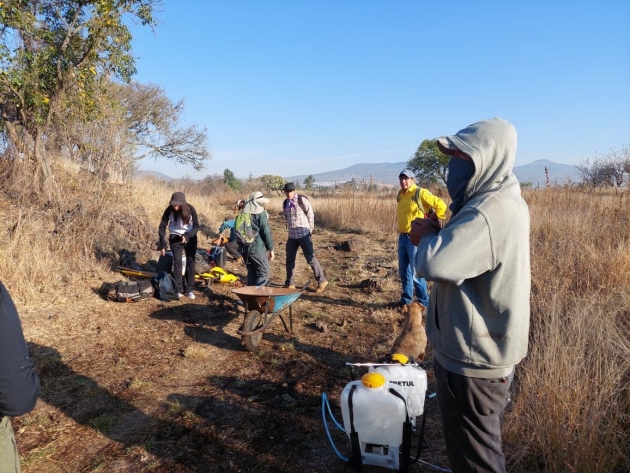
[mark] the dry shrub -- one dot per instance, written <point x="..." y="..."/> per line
<point x="572" y="403"/>
<point x="63" y="241"/>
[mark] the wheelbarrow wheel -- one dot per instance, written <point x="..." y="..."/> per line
<point x="253" y="320"/>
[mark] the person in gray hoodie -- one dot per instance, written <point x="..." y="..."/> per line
<point x="478" y="314"/>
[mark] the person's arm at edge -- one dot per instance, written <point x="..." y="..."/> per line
<point x="19" y="384"/>
<point x="310" y="215"/>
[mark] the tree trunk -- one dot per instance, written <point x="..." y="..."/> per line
<point x="40" y="157"/>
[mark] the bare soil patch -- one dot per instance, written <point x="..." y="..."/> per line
<point x="169" y="387"/>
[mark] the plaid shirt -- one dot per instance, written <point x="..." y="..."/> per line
<point x="299" y="224"/>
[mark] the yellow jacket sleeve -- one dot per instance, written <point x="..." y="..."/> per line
<point x="428" y="200"/>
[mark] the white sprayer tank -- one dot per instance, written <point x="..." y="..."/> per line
<point x="378" y="417"/>
<point x="411" y="378"/>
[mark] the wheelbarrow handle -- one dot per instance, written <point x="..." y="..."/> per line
<point x="305" y="285"/>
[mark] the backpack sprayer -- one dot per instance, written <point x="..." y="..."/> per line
<point x="379" y="414"/>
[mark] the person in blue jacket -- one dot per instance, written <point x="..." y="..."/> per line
<point x="231" y="245"/>
<point x="19" y="384"/>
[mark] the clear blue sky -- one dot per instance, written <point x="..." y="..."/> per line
<point x="302" y="87"/>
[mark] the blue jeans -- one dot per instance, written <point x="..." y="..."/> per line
<point x="406" y="270"/>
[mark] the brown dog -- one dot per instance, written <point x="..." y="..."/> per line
<point x="412" y="340"/>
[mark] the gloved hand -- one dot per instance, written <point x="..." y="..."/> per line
<point x="422" y="226"/>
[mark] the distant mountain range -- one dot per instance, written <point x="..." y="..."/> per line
<point x="387" y="174"/>
<point x="157" y="175"/>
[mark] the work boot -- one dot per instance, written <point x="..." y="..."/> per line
<point x="321" y="287"/>
<point x="289" y="286"/>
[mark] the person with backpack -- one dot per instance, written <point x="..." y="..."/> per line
<point x="228" y="239"/>
<point x="254" y="238"/>
<point x="413" y="202"/>
<point x="183" y="225"/>
<point x="300" y="223"/>
<point x="19" y="383"/>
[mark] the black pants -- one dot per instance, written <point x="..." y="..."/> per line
<point x="187" y="283"/>
<point x="472" y="414"/>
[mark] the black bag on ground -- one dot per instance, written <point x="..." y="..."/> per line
<point x="165" y="263"/>
<point x="133" y="291"/>
<point x="108" y="290"/>
<point x="165" y="287"/>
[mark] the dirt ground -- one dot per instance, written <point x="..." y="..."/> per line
<point x="169" y="387"/>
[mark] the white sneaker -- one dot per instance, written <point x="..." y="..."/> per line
<point x="191" y="295"/>
<point x="180" y="295"/>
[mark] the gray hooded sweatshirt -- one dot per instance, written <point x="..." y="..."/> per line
<point x="478" y="314"/>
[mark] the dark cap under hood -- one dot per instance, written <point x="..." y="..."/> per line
<point x="492" y="146"/>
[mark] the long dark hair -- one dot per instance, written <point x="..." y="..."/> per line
<point x="183" y="213"/>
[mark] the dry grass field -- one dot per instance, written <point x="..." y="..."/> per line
<point x="168" y="387"/>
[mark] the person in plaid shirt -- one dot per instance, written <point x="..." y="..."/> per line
<point x="300" y="223"/>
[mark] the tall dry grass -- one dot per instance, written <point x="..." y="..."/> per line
<point x="572" y="405"/>
<point x="360" y="212"/>
<point x="357" y="212"/>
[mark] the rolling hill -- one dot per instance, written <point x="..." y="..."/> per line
<point x="387" y="173"/>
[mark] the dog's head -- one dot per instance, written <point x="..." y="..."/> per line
<point x="413" y="307"/>
<point x="413" y="312"/>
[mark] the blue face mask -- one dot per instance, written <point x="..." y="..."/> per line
<point x="460" y="171"/>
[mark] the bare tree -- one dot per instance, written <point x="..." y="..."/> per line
<point x="153" y="126"/>
<point x="593" y="173"/>
<point x="620" y="160"/>
<point x="128" y="122"/>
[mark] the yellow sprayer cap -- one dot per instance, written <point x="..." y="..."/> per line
<point x="373" y="380"/>
<point x="400" y="358"/>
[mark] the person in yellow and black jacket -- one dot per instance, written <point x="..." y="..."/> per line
<point x="413" y="202"/>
